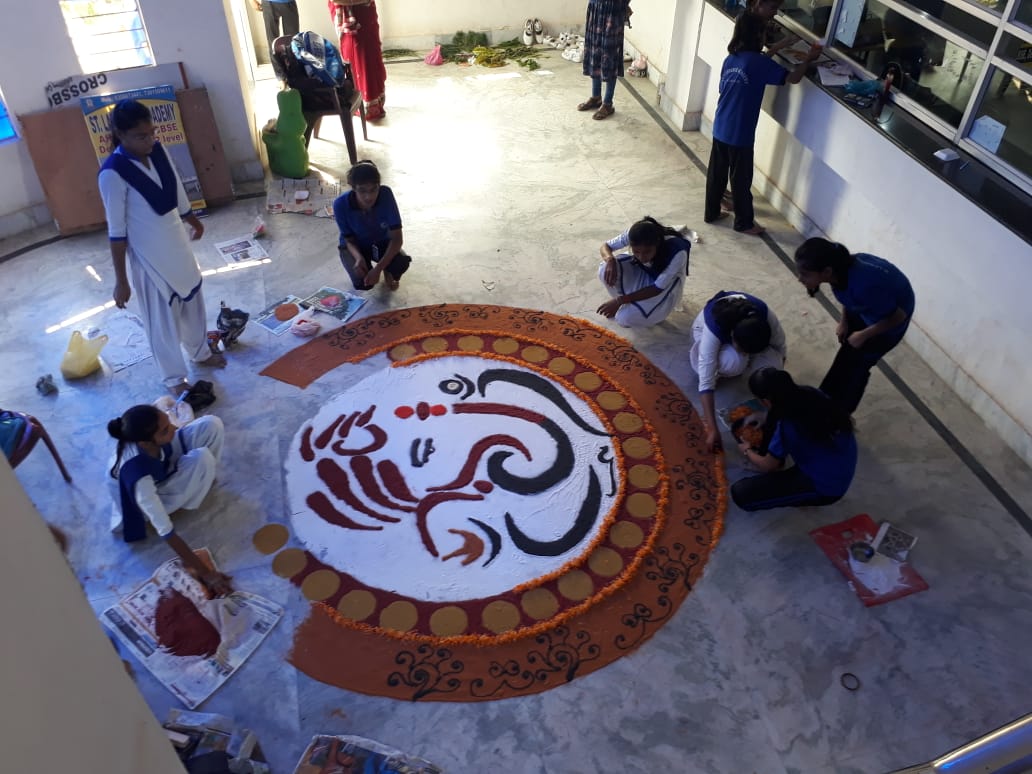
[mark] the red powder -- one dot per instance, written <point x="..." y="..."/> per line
<point x="181" y="628"/>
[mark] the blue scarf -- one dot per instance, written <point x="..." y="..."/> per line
<point x="711" y="322"/>
<point x="163" y="198"/>
<point x="134" y="523"/>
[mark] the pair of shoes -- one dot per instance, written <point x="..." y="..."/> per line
<point x="593" y="103"/>
<point x="573" y="54"/>
<point x="603" y="112"/>
<point x="533" y="32"/>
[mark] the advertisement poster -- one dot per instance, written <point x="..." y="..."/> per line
<point x="161" y="100"/>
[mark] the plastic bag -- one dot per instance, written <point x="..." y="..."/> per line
<point x="434" y="57"/>
<point x="81" y="358"/>
<point x="304" y="327"/>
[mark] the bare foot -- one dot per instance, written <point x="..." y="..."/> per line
<point x="756" y="230"/>
<point x="721" y="216"/>
<point x="392" y="283"/>
<point x="217" y="360"/>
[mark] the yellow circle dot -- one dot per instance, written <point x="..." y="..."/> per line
<point x="505" y="346"/>
<point x="637" y="448"/>
<point x="626" y="534"/>
<point x="588" y="381"/>
<point x="449" y="621"/>
<point x="357" y="605"/>
<point x="605" y="562"/>
<point x="539" y="604"/>
<point x="320" y="585"/>
<point x="641" y="505"/>
<point x="289" y="562"/>
<point x="402" y="352"/>
<point x="643" y="476"/>
<point x="561" y="366"/>
<point x="535" y="354"/>
<point x="611" y="401"/>
<point x="626" y="422"/>
<point x="471" y="343"/>
<point x="270" y="538"/>
<point x="576" y="585"/>
<point x="434" y="344"/>
<point x="500" y="616"/>
<point x="400" y="616"/>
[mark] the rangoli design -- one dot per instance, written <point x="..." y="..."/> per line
<point x="514" y="500"/>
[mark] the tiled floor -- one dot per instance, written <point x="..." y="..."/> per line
<point x="506" y="192"/>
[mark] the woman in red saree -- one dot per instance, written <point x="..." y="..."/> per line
<point x="358" y="26"/>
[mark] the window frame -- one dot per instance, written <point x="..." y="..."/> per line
<point x="70" y="19"/>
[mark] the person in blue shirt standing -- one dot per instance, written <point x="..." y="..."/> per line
<point x="805" y="424"/>
<point x="744" y="76"/>
<point x="370" y="230"/>
<point x="877" y="304"/>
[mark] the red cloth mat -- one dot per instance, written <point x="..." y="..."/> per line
<point x="835" y="539"/>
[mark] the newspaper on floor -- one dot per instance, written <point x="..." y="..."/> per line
<point x="278" y="316"/>
<point x="333" y="754"/>
<point x="231" y="628"/>
<point x="240" y="250"/>
<point x="312" y="195"/>
<point x="338" y="303"/>
<point x="127" y="340"/>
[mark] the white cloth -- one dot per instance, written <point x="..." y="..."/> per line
<point x="632" y="277"/>
<point x="196" y="449"/>
<point x="163" y="270"/>
<point x="711" y="359"/>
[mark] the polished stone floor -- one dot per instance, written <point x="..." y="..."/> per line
<point x="506" y="192"/>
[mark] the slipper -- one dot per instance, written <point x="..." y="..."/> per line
<point x="528" y="33"/>
<point x="603" y="112"/>
<point x="593" y="103"/>
<point x="200" y="396"/>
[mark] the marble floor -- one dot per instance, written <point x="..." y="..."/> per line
<point x="506" y="192"/>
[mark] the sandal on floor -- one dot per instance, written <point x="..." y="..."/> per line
<point x="603" y="112"/>
<point x="592" y="104"/>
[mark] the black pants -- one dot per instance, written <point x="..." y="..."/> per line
<point x="398" y="265"/>
<point x="781" y="489"/>
<point x="850" y="371"/>
<point x="734" y="163"/>
<point x="275" y="14"/>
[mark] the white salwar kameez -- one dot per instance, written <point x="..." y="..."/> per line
<point x="632" y="277"/>
<point x="711" y="359"/>
<point x="162" y="268"/>
<point x="196" y="449"/>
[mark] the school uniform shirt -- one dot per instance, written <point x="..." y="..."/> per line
<point x="708" y="339"/>
<point x="743" y="79"/>
<point x="367" y="229"/>
<point x="147" y="213"/>
<point x="874" y="290"/>
<point x="829" y="464"/>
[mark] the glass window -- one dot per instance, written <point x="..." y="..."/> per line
<point x="107" y="34"/>
<point x="1024" y="14"/>
<point x="811" y="15"/>
<point x="6" y="127"/>
<point x="1016" y="50"/>
<point x="1003" y="122"/>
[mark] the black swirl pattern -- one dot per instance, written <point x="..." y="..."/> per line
<point x="427" y="670"/>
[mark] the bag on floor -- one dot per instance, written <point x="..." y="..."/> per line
<point x="434" y="57"/>
<point x="81" y="358"/>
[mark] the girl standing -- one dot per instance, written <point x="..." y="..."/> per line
<point x="358" y="27"/>
<point x="145" y="203"/>
<point x="603" y="52"/>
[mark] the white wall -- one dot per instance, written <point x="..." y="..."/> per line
<point x="830" y="172"/>
<point x="650" y="33"/>
<point x="195" y="32"/>
<point x="69" y="704"/>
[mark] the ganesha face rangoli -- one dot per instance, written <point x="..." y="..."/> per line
<point x="451" y="478"/>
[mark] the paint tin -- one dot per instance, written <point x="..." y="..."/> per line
<point x="861" y="551"/>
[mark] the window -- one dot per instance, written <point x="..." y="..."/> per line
<point x="6" y="127"/>
<point x="964" y="66"/>
<point x="107" y="34"/>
